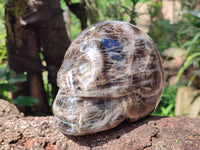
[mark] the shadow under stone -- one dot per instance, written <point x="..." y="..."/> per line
<point x="101" y="138"/>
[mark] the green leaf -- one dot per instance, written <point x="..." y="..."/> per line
<point x="62" y="4"/>
<point x="26" y="101"/>
<point x="186" y="44"/>
<point x="194" y="40"/>
<point x="193" y="13"/>
<point x="5" y="1"/>
<point x="9" y="74"/>
<point x="8" y="87"/>
<point x="3" y="71"/>
<point x="195" y="57"/>
<point x="145" y="1"/>
<point x="17" y="78"/>
<point x="192" y="80"/>
<point x="169" y="108"/>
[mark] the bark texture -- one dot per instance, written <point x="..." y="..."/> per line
<point x="23" y="56"/>
<point x="86" y="11"/>
<point x="36" y="27"/>
<point x="18" y="132"/>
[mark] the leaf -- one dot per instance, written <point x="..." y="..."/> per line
<point x="17" y="78"/>
<point x="193" y="13"/>
<point x="192" y="80"/>
<point x="5" y="1"/>
<point x="194" y="40"/>
<point x="8" y="87"/>
<point x="187" y="30"/>
<point x="3" y="71"/>
<point x="26" y="101"/>
<point x="62" y="4"/>
<point x="169" y="108"/>
<point x="145" y="1"/>
<point x="186" y="44"/>
<point x="191" y="59"/>
<point x="9" y="74"/>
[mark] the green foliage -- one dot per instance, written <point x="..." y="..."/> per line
<point x="145" y="1"/>
<point x="190" y="26"/>
<point x="25" y="101"/>
<point x="161" y="30"/>
<point x="7" y="82"/>
<point x="62" y="4"/>
<point x="75" y="1"/>
<point x="7" y="87"/>
<point x="189" y="4"/>
<point x="47" y="87"/>
<point x="4" y="1"/>
<point x="163" y="33"/>
<point x="167" y="102"/>
<point x="75" y="26"/>
<point x="192" y="59"/>
<point x="5" y="76"/>
<point x="189" y="37"/>
<point x="17" y="78"/>
<point x="114" y="10"/>
<point x="123" y="10"/>
<point x="2" y="30"/>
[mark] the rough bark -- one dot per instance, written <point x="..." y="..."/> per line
<point x="38" y="27"/>
<point x="50" y="30"/>
<point x="86" y="11"/>
<point x="23" y="56"/>
<point x="17" y="132"/>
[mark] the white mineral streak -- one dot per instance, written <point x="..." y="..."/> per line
<point x="94" y="56"/>
<point x="70" y="82"/>
<point x="68" y="64"/>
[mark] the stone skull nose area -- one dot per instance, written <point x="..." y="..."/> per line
<point x="111" y="72"/>
<point x="85" y="67"/>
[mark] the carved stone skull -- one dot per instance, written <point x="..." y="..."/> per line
<point x="111" y="72"/>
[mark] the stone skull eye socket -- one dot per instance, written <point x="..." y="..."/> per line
<point x="68" y="63"/>
<point x="85" y="68"/>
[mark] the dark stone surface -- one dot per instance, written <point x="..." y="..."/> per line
<point x="18" y="132"/>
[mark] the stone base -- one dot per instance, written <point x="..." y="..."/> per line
<point x="152" y="133"/>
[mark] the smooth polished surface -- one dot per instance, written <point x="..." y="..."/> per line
<point x="111" y="72"/>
